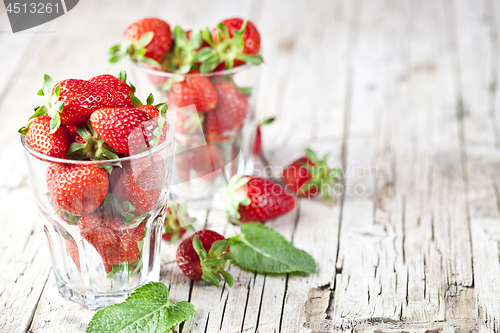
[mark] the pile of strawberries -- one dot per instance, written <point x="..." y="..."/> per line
<point x="100" y="120"/>
<point x="221" y="104"/>
<point x="254" y="199"/>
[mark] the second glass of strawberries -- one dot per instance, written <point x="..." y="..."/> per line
<point x="103" y="220"/>
<point x="214" y="117"/>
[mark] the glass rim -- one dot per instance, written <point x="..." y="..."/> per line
<point x="37" y="154"/>
<point x="233" y="70"/>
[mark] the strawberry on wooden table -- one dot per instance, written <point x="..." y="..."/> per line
<point x="255" y="199"/>
<point x="229" y="115"/>
<point x="146" y="40"/>
<point x="177" y="221"/>
<point x="257" y="146"/>
<point x="309" y="176"/>
<point x="78" y="190"/>
<point x="204" y="256"/>
<point x="39" y="137"/>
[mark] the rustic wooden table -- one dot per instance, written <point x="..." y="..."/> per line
<point x="404" y="96"/>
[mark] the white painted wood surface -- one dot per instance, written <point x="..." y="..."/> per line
<point x="404" y="96"/>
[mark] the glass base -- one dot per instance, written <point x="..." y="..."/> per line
<point x="93" y="301"/>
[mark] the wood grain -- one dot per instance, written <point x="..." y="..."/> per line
<point x="404" y="97"/>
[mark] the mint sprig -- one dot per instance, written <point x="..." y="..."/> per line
<point x="147" y="310"/>
<point x="263" y="250"/>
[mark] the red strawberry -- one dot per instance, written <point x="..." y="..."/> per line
<point x="78" y="190"/>
<point x="80" y="99"/>
<point x="177" y="220"/>
<point x="258" y="136"/>
<point x="183" y="166"/>
<point x="197" y="90"/>
<point x="123" y="90"/>
<point x="73" y="251"/>
<point x="139" y="183"/>
<point x="115" y="241"/>
<point x="186" y="120"/>
<point x="39" y="138"/>
<point x="128" y="130"/>
<point x="149" y="109"/>
<point x="224" y="121"/>
<point x="255" y="199"/>
<point x="87" y="145"/>
<point x="208" y="245"/>
<point x="156" y="44"/>
<point x="208" y="160"/>
<point x="309" y="176"/>
<point x="71" y="129"/>
<point x="234" y="42"/>
<point x="251" y="37"/>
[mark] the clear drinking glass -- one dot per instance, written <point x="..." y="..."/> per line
<point x="100" y="257"/>
<point x="214" y="143"/>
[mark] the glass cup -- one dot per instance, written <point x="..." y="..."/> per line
<point x="215" y="124"/>
<point x="103" y="220"/>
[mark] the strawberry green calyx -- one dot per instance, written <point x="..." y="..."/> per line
<point x="182" y="56"/>
<point x="320" y="175"/>
<point x="94" y="147"/>
<point x="135" y="51"/>
<point x="53" y="106"/>
<point x="226" y="50"/>
<point x="214" y="263"/>
<point x="122" y="76"/>
<point x="175" y="219"/>
<point x="234" y="195"/>
<point x="267" y="121"/>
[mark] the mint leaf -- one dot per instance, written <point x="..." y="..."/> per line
<point x="263" y="250"/>
<point x="146" y="310"/>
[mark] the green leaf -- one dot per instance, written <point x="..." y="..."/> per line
<point x="267" y="121"/>
<point x="195" y="39"/>
<point x="147" y="310"/>
<point x="137" y="102"/>
<point x="209" y="65"/>
<point x="246" y="90"/>
<point x="48" y="83"/>
<point x="204" y="54"/>
<point x="228" y="277"/>
<point x="149" y="61"/>
<point x="179" y="35"/>
<point x="114" y="49"/>
<point x="39" y="112"/>
<point x="263" y="250"/>
<point x="122" y="75"/>
<point x="144" y="40"/>
<point x="254" y="59"/>
<point x="218" y="247"/>
<point x="116" y="58"/>
<point x="150" y="100"/>
<point x="207" y="36"/>
<point x="55" y="122"/>
<point x="198" y="247"/>
<point x="184" y="69"/>
<point x="311" y="155"/>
